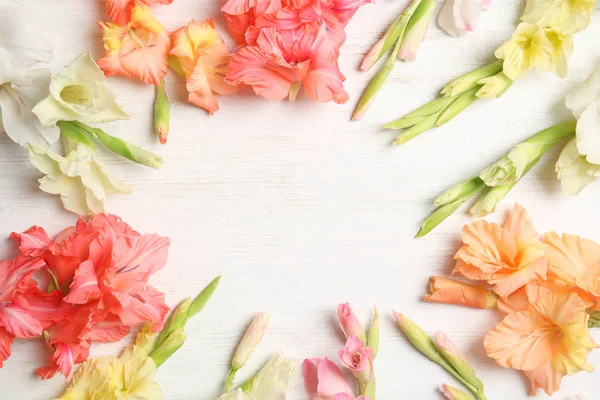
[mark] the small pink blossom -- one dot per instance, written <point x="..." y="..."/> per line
<point x="349" y="323"/>
<point x="358" y="358"/>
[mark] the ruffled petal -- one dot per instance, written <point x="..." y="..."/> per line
<point x="18" y="322"/>
<point x="574" y="171"/>
<point x="6" y="339"/>
<point x="135" y="307"/>
<point x="33" y="242"/>
<point x="584" y="95"/>
<point x="84" y="287"/>
<point x="588" y="133"/>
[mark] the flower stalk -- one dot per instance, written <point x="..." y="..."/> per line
<point x="498" y="179"/>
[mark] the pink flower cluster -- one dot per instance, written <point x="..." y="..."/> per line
<point x="95" y="279"/>
<point x="323" y="379"/>
<point x="288" y="44"/>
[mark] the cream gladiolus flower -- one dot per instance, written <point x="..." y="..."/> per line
<point x="579" y="161"/>
<point x="80" y="178"/>
<point x="529" y="48"/>
<point x="275" y="378"/>
<point x="21" y="47"/>
<point x="79" y="93"/>
<point x="565" y="16"/>
<point x="131" y="376"/>
<point x="562" y="46"/>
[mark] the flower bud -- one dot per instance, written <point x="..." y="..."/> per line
<point x="349" y="323"/>
<point x="470" y="80"/>
<point x="175" y="321"/>
<point x="394" y="34"/>
<point x="416" y="29"/>
<point x="430" y="109"/>
<point x="418" y="338"/>
<point x="457" y="106"/>
<point x="146" y="339"/>
<point x="373" y="336"/>
<point x="449" y="351"/>
<point x="494" y="86"/>
<point x="452" y="393"/>
<point x="73" y="133"/>
<point x="162" y="113"/>
<point x="252" y="338"/>
<point x="450" y="291"/>
<point x="123" y="148"/>
<point x="458" y="191"/>
<point x="200" y="301"/>
<point x="171" y="344"/>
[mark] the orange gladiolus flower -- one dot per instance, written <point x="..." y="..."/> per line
<point x="508" y="256"/>
<point x="120" y="11"/>
<point x="203" y="58"/>
<point x="575" y="263"/>
<point x="547" y="340"/>
<point x="139" y="49"/>
<point x="450" y="291"/>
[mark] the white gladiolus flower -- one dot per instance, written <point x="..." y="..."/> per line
<point x="80" y="178"/>
<point x="274" y="379"/>
<point x="21" y="47"/>
<point x="459" y="16"/>
<point x="579" y="161"/>
<point x="79" y="93"/>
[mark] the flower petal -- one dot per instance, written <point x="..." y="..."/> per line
<point x="6" y="339"/>
<point x="19" y="323"/>
<point x="84" y="287"/>
<point x="135" y="307"/>
<point x="574" y="171"/>
<point x="588" y="133"/>
<point x="584" y="95"/>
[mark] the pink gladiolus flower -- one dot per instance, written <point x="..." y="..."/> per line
<point x="349" y="323"/>
<point x="323" y="380"/>
<point x="358" y="358"/>
<point x="137" y="50"/>
<point x="120" y="11"/>
<point x="283" y="58"/>
<point x="203" y="58"/>
<point x="459" y="16"/>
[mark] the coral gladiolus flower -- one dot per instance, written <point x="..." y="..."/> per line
<point x="137" y="50"/>
<point x="202" y="57"/>
<point x="575" y="263"/>
<point x="283" y="59"/>
<point x="450" y="291"/>
<point x="547" y="341"/>
<point x="120" y="11"/>
<point x="508" y="256"/>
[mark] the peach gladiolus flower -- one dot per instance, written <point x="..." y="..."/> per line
<point x="508" y="256"/>
<point x="575" y="263"/>
<point x="137" y="50"/>
<point x="547" y="340"/>
<point x="450" y="291"/>
<point x="282" y="60"/>
<point x="202" y="56"/>
<point x="120" y="11"/>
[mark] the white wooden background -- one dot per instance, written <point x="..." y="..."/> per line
<point x="300" y="209"/>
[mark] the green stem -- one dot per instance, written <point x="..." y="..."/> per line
<point x="230" y="380"/>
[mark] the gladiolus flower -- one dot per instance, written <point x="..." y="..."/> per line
<point x="574" y="263"/>
<point x="137" y="50"/>
<point x="579" y="162"/>
<point x="282" y="58"/>
<point x="203" y="58"/>
<point x="562" y="46"/>
<point x="416" y="30"/>
<point x="567" y="17"/>
<point x="508" y="256"/>
<point x="547" y="341"/>
<point x="273" y="381"/>
<point x="459" y="16"/>
<point x="21" y="87"/>
<point x="450" y="291"/>
<point x="79" y="93"/>
<point x="80" y="178"/>
<point x="121" y="11"/>
<point x="528" y="49"/>
<point x="358" y="358"/>
<point x="323" y="380"/>
<point x="349" y="323"/>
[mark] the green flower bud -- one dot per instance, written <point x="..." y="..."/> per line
<point x="373" y="336"/>
<point x="176" y="320"/>
<point x="494" y="86"/>
<point x="432" y="108"/>
<point x="470" y="80"/>
<point x="162" y="113"/>
<point x="200" y="301"/>
<point x="172" y="343"/>
<point x="73" y="133"/>
<point x="123" y="148"/>
<point x="452" y="393"/>
<point x="457" y="106"/>
<point x="451" y="353"/>
<point x="457" y="192"/>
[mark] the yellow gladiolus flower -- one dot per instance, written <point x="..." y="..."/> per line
<point x="562" y="49"/>
<point x="129" y="377"/>
<point x="529" y="48"/>
<point x="565" y="16"/>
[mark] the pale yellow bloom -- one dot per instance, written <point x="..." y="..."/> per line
<point x="129" y="377"/>
<point x="562" y="49"/>
<point x="565" y="16"/>
<point x="80" y="178"/>
<point x="529" y="48"/>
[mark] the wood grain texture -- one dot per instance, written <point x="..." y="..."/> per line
<point x="301" y="209"/>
